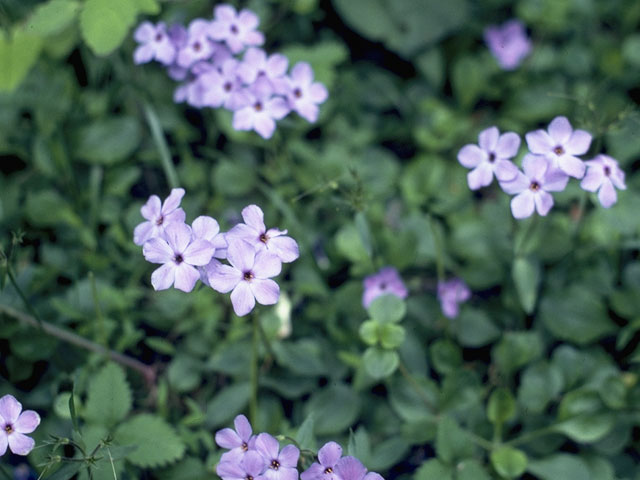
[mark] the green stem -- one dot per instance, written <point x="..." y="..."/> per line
<point x="416" y="387"/>
<point x="437" y="241"/>
<point x="146" y="371"/>
<point x="528" y="436"/>
<point x="22" y="296"/>
<point x="253" y="399"/>
<point x="99" y="333"/>
<point x="161" y="145"/>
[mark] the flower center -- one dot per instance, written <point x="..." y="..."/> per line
<point x="275" y="464"/>
<point x="197" y="46"/>
<point x="160" y="220"/>
<point x="249" y="477"/>
<point x="492" y="157"/>
<point x="178" y="258"/>
<point x="264" y="238"/>
<point x="297" y="93"/>
<point x="227" y="87"/>
<point x="248" y="276"/>
<point x="328" y="470"/>
<point x="234" y="29"/>
<point x="8" y="428"/>
<point x="257" y="106"/>
<point x="534" y="187"/>
<point x="607" y="171"/>
<point x="244" y="446"/>
<point x="383" y="285"/>
<point x="159" y="37"/>
<point x="558" y="150"/>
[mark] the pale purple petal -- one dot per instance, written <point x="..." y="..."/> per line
<point x="481" y="176"/>
<point x="266" y="265"/>
<point x="471" y="156"/>
<point x="241" y="255"/>
<point x="178" y="236"/>
<point x="289" y="456"/>
<point x="523" y="204"/>
<point x="173" y="200"/>
<point x="555" y="180"/>
<point x="267" y="446"/>
<point x="254" y="217"/>
<point x="144" y="33"/>
<point x="4" y="442"/>
<point x="152" y="209"/>
<point x="593" y="179"/>
<point x="543" y="201"/>
<point x="224" y="278"/>
<point x="230" y="471"/>
<point x="578" y="143"/>
<point x="278" y="108"/>
<point x="560" y="130"/>
<point x="186" y="277"/>
<point x="248" y="19"/>
<point x="286" y="248"/>
<point x="243" y="119"/>
<point x="505" y="170"/>
<point x="21" y="444"/>
<point x="143" y="54"/>
<point x="242" y="299"/>
<point x="27" y="422"/>
<point x="163" y="277"/>
<point x="228" y="438"/>
<point x="264" y="126"/>
<point x="10" y="408"/>
<point x="243" y="427"/>
<point x="329" y="454"/>
<point x="143" y="232"/>
<point x="157" y="250"/>
<point x="253" y="463"/>
<point x="535" y="166"/>
<point x="519" y="184"/>
<point x="572" y="166"/>
<point x="302" y="74"/>
<point x="199" y="252"/>
<point x="607" y="194"/>
<point x="318" y="92"/>
<point x="176" y="216"/>
<point x="224" y="12"/>
<point x="350" y="468"/>
<point x="314" y="472"/>
<point x="266" y="291"/>
<point x="277" y="65"/>
<point x="205" y="227"/>
<point x="508" y="145"/>
<point x="307" y="110"/>
<point x="539" y="142"/>
<point x="373" y="476"/>
<point x="488" y="139"/>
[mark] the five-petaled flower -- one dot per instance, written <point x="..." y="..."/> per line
<point x="237" y="30"/>
<point x="159" y="215"/>
<point x="155" y="43"/>
<point x="386" y="281"/>
<point x="451" y="293"/>
<point x="324" y="468"/>
<point x="304" y="95"/>
<point x="281" y="464"/>
<point x="14" y="423"/>
<point x="238" y="441"/>
<point x="604" y="175"/>
<point x="508" y="43"/>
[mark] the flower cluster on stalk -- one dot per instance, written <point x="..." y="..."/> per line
<point x="221" y="66"/>
<point x="189" y="253"/>
<point x="259" y="457"/>
<point x="552" y="159"/>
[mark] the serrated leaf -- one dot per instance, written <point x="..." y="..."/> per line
<point x="104" y="24"/>
<point x="18" y="52"/>
<point x="157" y="442"/>
<point x="52" y="17"/>
<point x="109" y="396"/>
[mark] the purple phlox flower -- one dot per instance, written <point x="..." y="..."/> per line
<point x="249" y="276"/>
<point x="248" y="467"/>
<point x="254" y="231"/>
<point x="603" y="175"/>
<point x="324" y="468"/>
<point x="179" y="38"/>
<point x="531" y="188"/>
<point x="386" y="281"/>
<point x="207" y="228"/>
<point x="491" y="156"/>
<point x="159" y="215"/>
<point x="155" y="43"/>
<point x="222" y="87"/>
<point x="14" y="425"/>
<point x="238" y="441"/>
<point x="508" y="43"/>
<point x="237" y="30"/>
<point x="198" y="46"/>
<point x="304" y="94"/>
<point x="261" y="109"/>
<point x="180" y="254"/>
<point x="560" y="144"/>
<point x="281" y="465"/>
<point x="451" y="293"/>
<point x="350" y="468"/>
<point x="256" y="64"/>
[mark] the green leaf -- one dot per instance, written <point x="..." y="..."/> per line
<point x="469" y="79"/>
<point x="349" y="244"/>
<point x="509" y="462"/>
<point x="560" y="466"/>
<point x="324" y="57"/>
<point x="184" y="373"/>
<point x="516" y="349"/>
<point x="109" y="396"/>
<point x="445" y="356"/>
<point x="66" y="471"/>
<point x="540" y="383"/>
<point x="52" y="17"/>
<point x="526" y="273"/>
<point x="104" y="24"/>
<point x="18" y="52"/>
<point x="150" y="7"/>
<point x="471" y="469"/>
<point x="304" y="436"/>
<point x="388" y="453"/>
<point x="587" y="428"/>
<point x="380" y="363"/>
<point x="108" y="141"/>
<point x="501" y="406"/>
<point x="336" y="408"/>
<point x="158" y="443"/>
<point x="227" y="404"/>
<point x="387" y="308"/>
<point x="474" y="328"/>
<point x="369" y="332"/>
<point x="452" y="443"/>
<point x="391" y="335"/>
<point x="576" y="314"/>
<point x="434" y="469"/>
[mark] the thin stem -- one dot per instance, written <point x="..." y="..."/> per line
<point x="437" y="241"/>
<point x="161" y="145"/>
<point x="253" y="399"/>
<point x="22" y="296"/>
<point x="100" y="334"/>
<point x="416" y="387"/>
<point x="146" y="371"/>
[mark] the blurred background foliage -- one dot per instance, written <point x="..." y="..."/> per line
<point x="538" y="376"/>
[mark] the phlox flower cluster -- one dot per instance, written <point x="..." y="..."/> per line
<point x="189" y="253"/>
<point x="14" y="424"/>
<point x="259" y="457"/>
<point x="387" y="281"/>
<point x="552" y="159"/>
<point x="508" y="43"/>
<point x="221" y="66"/>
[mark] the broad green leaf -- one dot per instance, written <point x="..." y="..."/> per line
<point x="324" y="57"/>
<point x="19" y="50"/>
<point x="452" y="443"/>
<point x="434" y="469"/>
<point x="349" y="244"/>
<point x="380" y="363"/>
<point x="501" y="406"/>
<point x="471" y="469"/>
<point x="151" y="7"/>
<point x="560" y="466"/>
<point x="227" y="404"/>
<point x="540" y="384"/>
<point x="109" y="396"/>
<point x="391" y="335"/>
<point x="235" y="178"/>
<point x="66" y="471"/>
<point x="587" y="428"/>
<point x="336" y="408"/>
<point x="184" y="373"/>
<point x="304" y="436"/>
<point x="509" y="462"/>
<point x="52" y="17"/>
<point x="614" y="392"/>
<point x="469" y="78"/>
<point x="369" y="332"/>
<point x="157" y="442"/>
<point x="387" y="308"/>
<point x="362" y="225"/>
<point x="388" y="453"/>
<point x="474" y="328"/>
<point x="104" y="24"/>
<point x="516" y="349"/>
<point x="359" y="445"/>
<point x="526" y="273"/>
<point x="108" y="141"/>
<point x="445" y="356"/>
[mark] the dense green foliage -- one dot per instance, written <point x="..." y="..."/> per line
<point x="539" y="375"/>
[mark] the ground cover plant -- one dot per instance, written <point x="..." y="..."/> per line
<point x="319" y="239"/>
